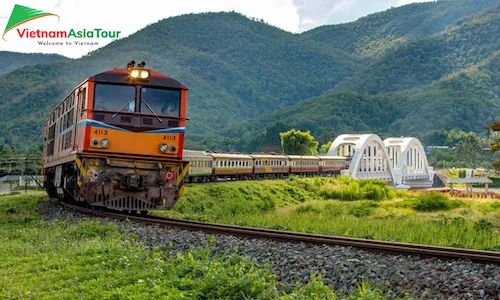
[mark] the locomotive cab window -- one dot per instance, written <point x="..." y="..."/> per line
<point x="160" y="102"/>
<point x="114" y="97"/>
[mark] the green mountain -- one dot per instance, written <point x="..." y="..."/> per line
<point x="462" y="45"/>
<point x="391" y="73"/>
<point x="373" y="36"/>
<point x="402" y="93"/>
<point x="235" y="68"/>
<point x="13" y="60"/>
<point x="467" y="100"/>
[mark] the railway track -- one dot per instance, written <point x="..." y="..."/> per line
<point x="489" y="257"/>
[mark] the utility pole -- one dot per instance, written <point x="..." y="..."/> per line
<point x="26" y="177"/>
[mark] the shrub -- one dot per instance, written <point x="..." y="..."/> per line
<point x="375" y="191"/>
<point x="362" y="209"/>
<point x="483" y="225"/>
<point x="357" y="190"/>
<point x="267" y="203"/>
<point x="334" y="209"/>
<point x="306" y="209"/>
<point x="434" y="201"/>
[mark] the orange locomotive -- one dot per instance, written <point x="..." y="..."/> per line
<point x="116" y="141"/>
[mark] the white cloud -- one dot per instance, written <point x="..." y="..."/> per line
<point x="130" y="16"/>
<point x="340" y="11"/>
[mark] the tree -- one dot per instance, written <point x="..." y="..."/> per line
<point x="495" y="142"/>
<point x="469" y="150"/>
<point x="272" y="136"/>
<point x="296" y="142"/>
<point x="323" y="150"/>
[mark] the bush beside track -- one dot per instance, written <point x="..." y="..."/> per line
<point x="343" y="207"/>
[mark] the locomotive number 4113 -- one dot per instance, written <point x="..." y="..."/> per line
<point x="101" y="131"/>
<point x="169" y="137"/>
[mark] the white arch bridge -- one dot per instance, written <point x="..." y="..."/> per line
<point x="399" y="161"/>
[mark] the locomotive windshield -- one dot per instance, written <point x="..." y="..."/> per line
<point x="114" y="97"/>
<point x="161" y="101"/>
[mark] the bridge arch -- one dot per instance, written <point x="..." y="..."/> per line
<point x="370" y="159"/>
<point x="409" y="161"/>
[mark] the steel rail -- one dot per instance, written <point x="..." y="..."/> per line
<point x="481" y="256"/>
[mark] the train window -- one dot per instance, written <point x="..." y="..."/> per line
<point x="83" y="97"/>
<point x="161" y="101"/>
<point x="114" y="97"/>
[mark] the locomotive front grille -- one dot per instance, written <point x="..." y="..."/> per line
<point x="129" y="203"/>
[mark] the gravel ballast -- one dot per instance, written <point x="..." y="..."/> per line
<point x="341" y="267"/>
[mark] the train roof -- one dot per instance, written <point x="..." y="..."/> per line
<point x="303" y="157"/>
<point x="268" y="156"/>
<point x="121" y="75"/>
<point x="195" y="153"/>
<point x="230" y="155"/>
<point x="328" y="157"/>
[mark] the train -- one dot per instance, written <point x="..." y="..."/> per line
<point x="116" y="141"/>
<point x="210" y="166"/>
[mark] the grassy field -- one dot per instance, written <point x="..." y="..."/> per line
<point x="90" y="260"/>
<point x="340" y="206"/>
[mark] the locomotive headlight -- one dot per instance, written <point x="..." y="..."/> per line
<point x="144" y="74"/>
<point x="95" y="143"/>
<point x="134" y="73"/>
<point x="164" y="148"/>
<point x="173" y="148"/>
<point x="105" y="143"/>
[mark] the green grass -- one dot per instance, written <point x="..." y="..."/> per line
<point x="329" y="206"/>
<point x="91" y="260"/>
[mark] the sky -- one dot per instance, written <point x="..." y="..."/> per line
<point x="130" y="16"/>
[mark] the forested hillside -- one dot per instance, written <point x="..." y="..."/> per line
<point x="467" y="100"/>
<point x="374" y="35"/>
<point x="13" y="60"/>
<point x="463" y="44"/>
<point x="403" y="71"/>
<point x="235" y="68"/>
